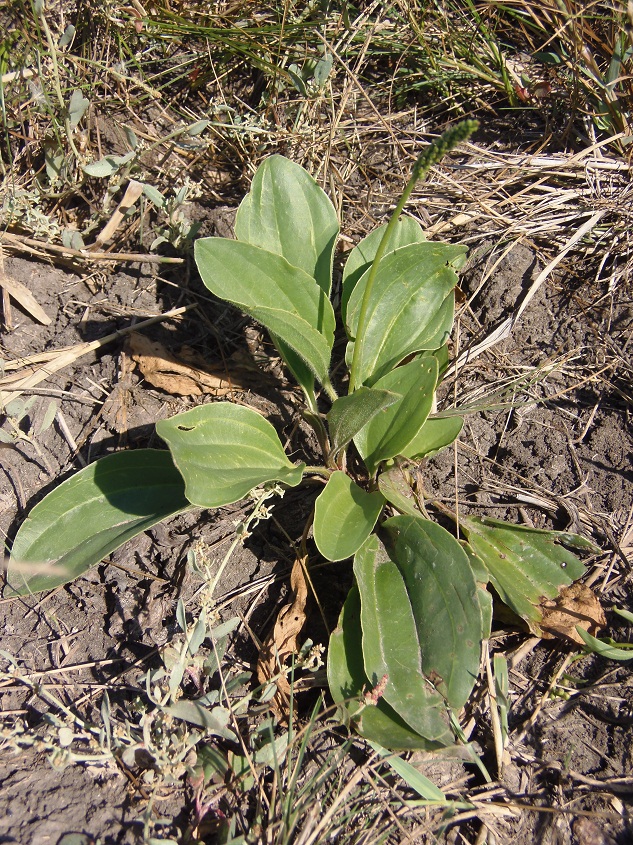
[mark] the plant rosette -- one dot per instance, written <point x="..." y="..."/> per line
<point x="412" y="626"/>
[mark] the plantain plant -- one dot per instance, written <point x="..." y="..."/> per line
<point x="404" y="657"/>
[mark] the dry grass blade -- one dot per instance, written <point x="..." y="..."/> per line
<point x="25" y="298"/>
<point x="14" y="385"/>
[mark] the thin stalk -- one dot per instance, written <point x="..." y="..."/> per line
<point x="427" y="158"/>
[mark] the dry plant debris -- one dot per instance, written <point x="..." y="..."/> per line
<point x="282" y="643"/>
<point x="174" y="375"/>
<point x="575" y="605"/>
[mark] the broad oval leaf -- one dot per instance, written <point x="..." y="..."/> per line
<point x="281" y="297"/>
<point x="391" y="646"/>
<point x="349" y="414"/>
<point x="525" y="563"/>
<point x="410" y="308"/>
<point x="435" y="434"/>
<point x="390" y="432"/>
<point x="224" y="451"/>
<point x="287" y="213"/>
<point x="443" y="594"/>
<point x="347" y="681"/>
<point x="91" y="514"/>
<point x="406" y="231"/>
<point x="344" y="517"/>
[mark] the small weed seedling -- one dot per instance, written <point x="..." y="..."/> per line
<point x="405" y="655"/>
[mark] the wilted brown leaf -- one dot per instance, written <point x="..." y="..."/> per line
<point x="282" y="642"/>
<point x="575" y="605"/>
<point x="173" y="375"/>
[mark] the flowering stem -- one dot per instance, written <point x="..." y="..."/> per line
<point x="427" y="158"/>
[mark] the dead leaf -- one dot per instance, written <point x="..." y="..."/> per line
<point x="587" y="832"/>
<point x="173" y="375"/>
<point x="132" y="193"/>
<point x="575" y="605"/>
<point x="25" y="298"/>
<point x="282" y="642"/>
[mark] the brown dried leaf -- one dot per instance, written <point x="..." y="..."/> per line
<point x="282" y="642"/>
<point x="587" y="832"/>
<point x="163" y="370"/>
<point x="575" y="605"/>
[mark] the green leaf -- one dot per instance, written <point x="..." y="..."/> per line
<point x="391" y="646"/>
<point x="224" y="451"/>
<point x="485" y="597"/>
<point x="410" y="308"/>
<point x="350" y="413"/>
<point x="281" y="297"/>
<point x="344" y="516"/>
<point x="407" y="231"/>
<point x="395" y="485"/>
<point x="390" y="432"/>
<point x="91" y="514"/>
<point x="525" y="564"/>
<point x="442" y="592"/>
<point x="609" y="650"/>
<point x="299" y="369"/>
<point x="287" y="213"/>
<point x="410" y="775"/>
<point x="435" y="434"/>
<point x="625" y="614"/>
<point x="347" y="681"/>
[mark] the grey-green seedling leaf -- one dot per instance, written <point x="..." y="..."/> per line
<point x="525" y="564"/>
<point x="108" y="165"/>
<point x="344" y="517"/>
<point x="91" y="514"/>
<point x="406" y="231"/>
<point x="435" y="434"/>
<point x="224" y="451"/>
<point x="76" y="108"/>
<point x="390" y="432"/>
<point x="215" y="720"/>
<point x="154" y="195"/>
<point x="287" y="213"/>
<point x="391" y="646"/>
<point x="443" y="595"/>
<point x="67" y="37"/>
<point x="410" y="307"/>
<point x="349" y="414"/>
<point x="348" y="683"/>
<point x="280" y="296"/>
